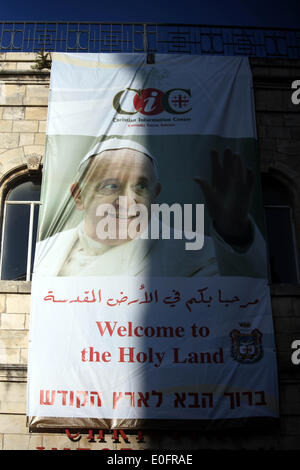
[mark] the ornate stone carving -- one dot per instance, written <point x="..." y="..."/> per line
<point x="33" y="161"/>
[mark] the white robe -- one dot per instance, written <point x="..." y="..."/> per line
<point x="69" y="254"/>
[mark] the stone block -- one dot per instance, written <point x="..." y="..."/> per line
<point x="277" y="132"/>
<point x="8" y="66"/>
<point x="13" y="397"/>
<point x="292" y="119"/>
<point x="289" y="443"/>
<point x="27" y="321"/>
<point x="12" y="321"/>
<point x="9" y="140"/>
<point x="59" y="441"/>
<point x="24" y="356"/>
<point x="108" y="444"/>
<point x="37" y="113"/>
<point x="284" y="340"/>
<point x="13" y="424"/>
<point x="37" y="91"/>
<point x="2" y="302"/>
<point x="283" y="306"/>
<point x="26" y="139"/>
<point x="9" y="356"/>
<point x="36" y="95"/>
<point x="289" y="147"/>
<point x="12" y="94"/>
<point x="5" y="126"/>
<point x="20" y="56"/>
<point x="22" y="441"/>
<point x="295" y="133"/>
<point x="35" y="100"/>
<point x="13" y="113"/>
<point x="290" y="425"/>
<point x="289" y="407"/>
<point x="295" y="301"/>
<point x="13" y="339"/>
<point x="25" y="126"/>
<point x="24" y="66"/>
<point x="290" y="325"/>
<point x="18" y="303"/>
<point x="42" y="126"/>
<point x="24" y="286"/>
<point x="271" y="119"/>
<point x="10" y="159"/>
<point x="266" y="144"/>
<point x="269" y="100"/>
<point x="40" y="139"/>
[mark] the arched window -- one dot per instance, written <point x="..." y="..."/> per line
<point x="282" y="252"/>
<point x="20" y="208"/>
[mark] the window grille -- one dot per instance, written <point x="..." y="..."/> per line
<point x="19" y="227"/>
<point x="281" y="241"/>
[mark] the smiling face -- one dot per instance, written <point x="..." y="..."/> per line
<point x="111" y="174"/>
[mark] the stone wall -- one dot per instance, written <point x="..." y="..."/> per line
<point x="23" y="112"/>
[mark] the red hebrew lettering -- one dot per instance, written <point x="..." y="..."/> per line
<point x="196" y="403"/>
<point x="116" y="399"/>
<point x="140" y="437"/>
<point x="116" y="433"/>
<point x="101" y="436"/>
<point x="210" y="400"/>
<point x="262" y="396"/>
<point x="47" y="401"/>
<point x="180" y="400"/>
<point x="64" y="396"/>
<point x="85" y="399"/>
<point x="92" y="398"/>
<point x="131" y="395"/>
<point x="73" y="437"/>
<point x="143" y="399"/>
<point x="231" y="396"/>
<point x="90" y="436"/>
<point x="159" y="401"/>
<point x="249" y="395"/>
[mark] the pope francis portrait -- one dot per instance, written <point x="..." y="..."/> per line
<point x="121" y="175"/>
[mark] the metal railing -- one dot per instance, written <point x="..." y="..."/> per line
<point x="22" y="36"/>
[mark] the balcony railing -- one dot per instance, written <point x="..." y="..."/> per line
<point x="149" y="37"/>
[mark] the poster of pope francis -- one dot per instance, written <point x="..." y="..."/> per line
<point x="151" y="267"/>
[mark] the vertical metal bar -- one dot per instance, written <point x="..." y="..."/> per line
<point x="292" y="221"/>
<point x="122" y="37"/>
<point x="2" y="239"/>
<point x="1" y="39"/>
<point x="111" y="31"/>
<point x="145" y="39"/>
<point x="34" y="38"/>
<point x="29" y="251"/>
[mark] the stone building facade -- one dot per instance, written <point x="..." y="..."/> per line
<point x="23" y="113"/>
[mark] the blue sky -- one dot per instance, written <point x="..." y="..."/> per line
<point x="266" y="13"/>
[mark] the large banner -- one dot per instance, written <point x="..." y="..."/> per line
<point x="150" y="298"/>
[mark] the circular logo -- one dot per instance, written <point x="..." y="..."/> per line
<point x="178" y="101"/>
<point x="148" y="102"/>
